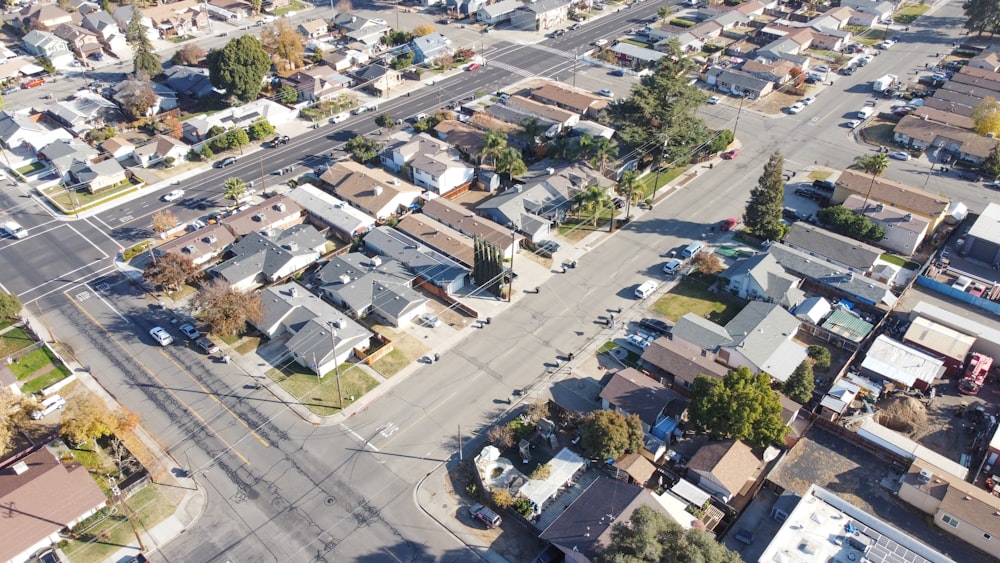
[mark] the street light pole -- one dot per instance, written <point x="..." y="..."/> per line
<point x="738" y="112"/>
<point x="336" y="365"/>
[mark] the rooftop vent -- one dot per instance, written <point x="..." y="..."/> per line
<point x="19" y="468"/>
<point x="378" y="190"/>
<point x="292" y="246"/>
<point x="189" y="249"/>
<point x="344" y="278"/>
<point x="294" y="292"/>
<point x="259" y="217"/>
<point x="376" y="261"/>
<point x="924" y="477"/>
<point x="908" y="217"/>
<point x="879" y="208"/>
<point x="279" y="206"/>
<point x="210" y="239"/>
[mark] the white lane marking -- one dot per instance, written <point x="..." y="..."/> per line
<point x="359" y="438"/>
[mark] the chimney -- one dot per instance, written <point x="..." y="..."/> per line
<point x="260" y="217"/>
<point x="908" y="217"/>
<point x="344" y="278"/>
<point x="377" y="190"/>
<point x="294" y="292"/>
<point x="376" y="261"/>
<point x="20" y="468"/>
<point x="292" y="246"/>
<point x="340" y="323"/>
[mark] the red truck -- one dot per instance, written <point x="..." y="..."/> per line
<point x="34" y="83"/>
<point x="975" y="374"/>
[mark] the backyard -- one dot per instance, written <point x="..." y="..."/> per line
<point x="691" y="296"/>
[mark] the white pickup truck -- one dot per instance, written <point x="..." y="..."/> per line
<point x="15" y="230"/>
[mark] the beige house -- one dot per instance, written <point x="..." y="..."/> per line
<point x="372" y="190"/>
<point x="201" y="246"/>
<point x="911" y="200"/>
<point x="958" y="507"/>
<point x="313" y="28"/>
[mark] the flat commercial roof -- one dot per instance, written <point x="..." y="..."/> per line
<point x="898" y="362"/>
<point x="939" y="338"/>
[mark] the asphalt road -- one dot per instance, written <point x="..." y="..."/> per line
<point x="284" y="491"/>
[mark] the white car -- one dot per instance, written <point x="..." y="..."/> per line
<point x="161" y="336"/>
<point x="14" y="229"/>
<point x="606" y="93"/>
<point x="900" y="155"/>
<point x="429" y="320"/>
<point x="714" y="100"/>
<point x="822" y="68"/>
<point x="807" y="101"/>
<point x="796" y="108"/>
<point x="853" y="124"/>
<point x="600" y="42"/>
<point x="174" y="195"/>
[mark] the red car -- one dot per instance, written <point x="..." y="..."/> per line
<point x="473" y="66"/>
<point x="729" y="224"/>
<point x="729" y="155"/>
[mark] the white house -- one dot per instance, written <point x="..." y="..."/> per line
<point x="433" y="164"/>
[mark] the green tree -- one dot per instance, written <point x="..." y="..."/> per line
<point x="720" y="141"/>
<point x="874" y="164"/>
<point x="981" y="15"/>
<point x="385" y="120"/>
<point x="986" y="116"/>
<point x="991" y="164"/>
<point x="741" y="406"/>
<point x="560" y="149"/>
<point x="404" y="60"/>
<point x="488" y="266"/>
<point x="493" y="143"/>
<point x="604" y="151"/>
<point x="237" y="138"/>
<point x="10" y="305"/>
<point x="608" y="434"/>
<point x="225" y="310"/>
<point x="531" y="130"/>
<point x="144" y="58"/>
<point x="800" y="384"/>
<point x="631" y="187"/>
<point x="502" y="498"/>
<point x="239" y="67"/>
<point x="664" y="12"/>
<point x="594" y="200"/>
<point x="287" y="94"/>
<point x="820" y="355"/>
<point x="260" y="129"/>
<point x="362" y="149"/>
<point x="763" y="212"/>
<point x="510" y="163"/>
<point x="255" y="5"/>
<point x="585" y="146"/>
<point x="857" y="226"/>
<point x="650" y="536"/>
<point x="234" y="188"/>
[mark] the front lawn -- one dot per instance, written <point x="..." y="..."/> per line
<point x="28" y="364"/>
<point x="72" y="201"/>
<point x="41" y="382"/>
<point x="13" y="340"/>
<point x="652" y="181"/>
<point x="910" y="12"/>
<point x="320" y="395"/>
<point x="104" y="533"/>
<point x="31" y="168"/>
<point x="692" y="297"/>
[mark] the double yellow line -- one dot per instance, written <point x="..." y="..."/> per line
<point x="171" y="392"/>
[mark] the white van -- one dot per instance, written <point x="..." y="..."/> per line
<point x="865" y="113"/>
<point x="340" y="117"/>
<point x="646" y="289"/>
<point x="50" y="405"/>
<point x="15" y="230"/>
<point x="693" y="248"/>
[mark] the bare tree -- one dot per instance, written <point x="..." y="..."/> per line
<point x="171" y="271"/>
<point x="14" y="413"/>
<point x="538" y="410"/>
<point x="189" y="54"/>
<point x="500" y="436"/>
<point x="124" y="460"/>
<point x="285" y="43"/>
<point x="164" y="220"/>
<point x="227" y="310"/>
<point x="137" y="97"/>
<point x="345" y="7"/>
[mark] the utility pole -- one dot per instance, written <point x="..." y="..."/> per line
<point x="460" y="442"/>
<point x="262" y="186"/>
<point x="510" y="286"/>
<point x="336" y="365"/>
<point x="129" y="515"/>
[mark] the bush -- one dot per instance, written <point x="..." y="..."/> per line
<point x="820" y="355"/>
<point x="680" y="22"/>
<point x="523" y="507"/>
<point x="502" y="498"/>
<point x="542" y="472"/>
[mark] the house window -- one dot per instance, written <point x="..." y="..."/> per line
<point x="950" y="521"/>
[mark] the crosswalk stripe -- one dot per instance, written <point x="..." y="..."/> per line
<point x="509" y="68"/>
<point x="551" y="50"/>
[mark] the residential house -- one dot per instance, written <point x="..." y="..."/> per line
<point x="83" y="112"/>
<point x="29" y="131"/>
<point x="760" y="337"/>
<point x="440" y="237"/>
<point x="97" y="176"/>
<point x="543" y="111"/>
<point x="62" y="153"/>
<point x="465" y="8"/>
<point x="498" y="12"/>
<point x="362" y="30"/>
<point x="912" y="200"/>
<point x="45" y="44"/>
<point x="837" y="249"/>
<point x="270" y="6"/>
<point x="178" y="19"/>
<point x="313" y="28"/>
<point x="42" y="16"/>
<point x="883" y="10"/>
<point x="188" y="81"/>
<point x="196" y="129"/>
<point x="738" y="83"/>
<point x="429" y="265"/>
<point x="951" y="345"/>
<point x="810" y="525"/>
<point x="634" y="55"/>
<point x="118" y="147"/>
<point x="83" y="43"/>
<point x="838" y="399"/>
<point x="44" y="496"/>
<point x="164" y="97"/>
<point x="260" y="258"/>
<point x="162" y="149"/>
<point x="778" y="72"/>
<point x="532" y="208"/>
<point x="123" y="15"/>
<point x="372" y="190"/>
<point x="319" y="83"/>
<point x="825" y="278"/>
<point x="517" y="116"/>
<point x="959" y="508"/>
<point x="230" y="9"/>
<point x="467" y="139"/>
<point x="629" y="391"/>
<point x="378" y="79"/>
<point x="987" y="60"/>
<point x="326" y="210"/>
<point x="761" y="278"/>
<point x="322" y="337"/>
<point x="540" y="15"/>
<point x="904" y="231"/>
<point x="724" y="468"/>
<point x="466" y="222"/>
<point x="432" y="164"/>
<point x="583" y="529"/>
<point x="273" y="214"/>
<point x="556" y="94"/>
<point x="844" y="328"/>
<point x="430" y="47"/>
<point x="202" y="247"/>
<point x="106" y="29"/>
<point x="680" y="362"/>
<point x="903" y="365"/>
<point x="361" y="285"/>
<point x="924" y="134"/>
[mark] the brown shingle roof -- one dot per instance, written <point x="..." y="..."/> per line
<point x="638" y="468"/>
<point x="892" y="193"/>
<point x="465" y="221"/>
<point x="965" y="501"/>
<point x="544" y="110"/>
<point x="212" y="240"/>
<point x="683" y="360"/>
<point x="731" y="462"/>
<point x="635" y="393"/>
<point x="945" y="117"/>
<point x="368" y="189"/>
<point x="440" y="237"/>
<point x="279" y="210"/>
<point x="461" y="136"/>
<point x="572" y="99"/>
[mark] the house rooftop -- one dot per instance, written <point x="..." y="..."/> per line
<point x="903" y="364"/>
<point x="635" y="393"/>
<point x="439" y="237"/>
<point x="827" y="244"/>
<point x="894" y="193"/>
<point x="731" y="462"/>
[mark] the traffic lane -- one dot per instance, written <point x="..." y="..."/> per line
<point x="47" y="260"/>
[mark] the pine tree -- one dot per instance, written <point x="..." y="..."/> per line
<point x="145" y="60"/>
<point x="800" y="384"/>
<point x="763" y="212"/>
<point x="488" y="266"/>
<point x="991" y="164"/>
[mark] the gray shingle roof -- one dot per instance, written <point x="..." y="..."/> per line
<point x="268" y="255"/>
<point x="830" y="275"/>
<point x="427" y="263"/>
<point x="837" y="248"/>
<point x="349" y="280"/>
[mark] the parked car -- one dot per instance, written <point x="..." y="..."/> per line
<point x="600" y="42"/>
<point x="575" y="26"/>
<point x="196" y="225"/>
<point x="822" y="68"/>
<point x="485" y="515"/>
<point x="714" y="100"/>
<point x="206" y="345"/>
<point x="549" y="246"/>
<point x="617" y="72"/>
<point x="161" y="336"/>
<point x="429" y="320"/>
<point x="729" y="224"/>
<point x="900" y="155"/>
<point x="188" y="330"/>
<point x="226" y="162"/>
<point x="853" y="124"/>
<point x="173" y="195"/>
<point x="606" y="93"/>
<point x="796" y="108"/>
<point x="729" y="155"/>
<point x="807" y="101"/>
<point x="655" y="325"/>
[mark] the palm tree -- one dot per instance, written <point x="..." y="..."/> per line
<point x="560" y="149"/>
<point x="603" y="152"/>
<point x="630" y="187"/>
<point x="531" y="130"/>
<point x="874" y="164"/>
<point x="509" y="162"/>
<point x="493" y="143"/>
<point x="584" y="145"/>
<point x="234" y="189"/>
<point x="594" y="199"/>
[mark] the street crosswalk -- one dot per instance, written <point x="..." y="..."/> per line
<point x="510" y="68"/>
<point x="552" y="50"/>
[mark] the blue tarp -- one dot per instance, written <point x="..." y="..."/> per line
<point x="664" y="429"/>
